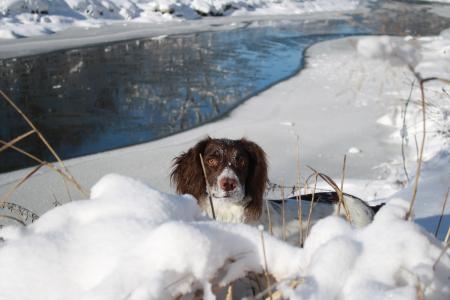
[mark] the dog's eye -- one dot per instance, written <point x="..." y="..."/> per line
<point x="212" y="162"/>
<point x="240" y="162"/>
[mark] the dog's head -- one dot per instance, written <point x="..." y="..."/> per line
<point x="236" y="171"/>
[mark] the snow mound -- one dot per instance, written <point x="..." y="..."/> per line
<point x="395" y="50"/>
<point x="131" y="241"/>
<point x="22" y="18"/>
<point x="8" y="7"/>
<point x="427" y="56"/>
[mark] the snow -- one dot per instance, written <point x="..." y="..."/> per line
<point x="125" y="229"/>
<point x="354" y="150"/>
<point x="25" y="18"/>
<point x="131" y="241"/>
<point x="427" y="57"/>
<point x="373" y="100"/>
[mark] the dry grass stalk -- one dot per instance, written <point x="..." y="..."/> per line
<point x="305" y="190"/>
<point x="176" y="282"/>
<point x="422" y="144"/>
<point x="207" y="187"/>
<point x="52" y="167"/>
<point x="404" y="136"/>
<point x="266" y="269"/>
<point x="41" y="137"/>
<point x="278" y="295"/>
<point x="299" y="218"/>
<point x="333" y="184"/>
<point x="444" y="250"/>
<point x="442" y="213"/>
<point x="342" y="185"/>
<point x="447" y="236"/>
<point x="12" y="218"/>
<point x="298" y="196"/>
<point x="10" y="144"/>
<point x="420" y="291"/>
<point x="269" y="217"/>
<point x="67" y="190"/>
<point x="16" y="140"/>
<point x="229" y="295"/>
<point x="420" y="158"/>
<point x="283" y="211"/>
<point x="311" y="207"/>
<point x="19" y="210"/>
<point x="25" y="178"/>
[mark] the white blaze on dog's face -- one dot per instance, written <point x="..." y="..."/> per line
<point x="228" y="187"/>
<point x="226" y="165"/>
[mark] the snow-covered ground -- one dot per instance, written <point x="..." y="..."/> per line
<point x="131" y="241"/>
<point x="25" y="18"/>
<point x="356" y="110"/>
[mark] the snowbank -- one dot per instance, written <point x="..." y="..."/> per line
<point x="23" y="18"/>
<point x="427" y="57"/>
<point x="131" y="241"/>
<point x="367" y="95"/>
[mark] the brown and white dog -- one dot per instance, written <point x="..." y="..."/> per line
<point x="236" y="171"/>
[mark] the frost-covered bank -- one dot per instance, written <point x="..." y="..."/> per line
<point x="131" y="241"/>
<point x="343" y="101"/>
<point x="23" y="18"/>
<point x="428" y="58"/>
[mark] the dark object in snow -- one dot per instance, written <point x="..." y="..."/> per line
<point x="325" y="204"/>
<point x="330" y="198"/>
<point x="236" y="171"/>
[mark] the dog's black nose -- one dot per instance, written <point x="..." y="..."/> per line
<point x="228" y="184"/>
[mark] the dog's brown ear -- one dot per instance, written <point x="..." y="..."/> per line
<point x="257" y="179"/>
<point x="187" y="174"/>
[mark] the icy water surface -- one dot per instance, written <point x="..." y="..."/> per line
<point x="99" y="98"/>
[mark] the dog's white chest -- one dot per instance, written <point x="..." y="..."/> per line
<point x="226" y="211"/>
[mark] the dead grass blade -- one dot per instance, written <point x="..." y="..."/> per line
<point x="408" y="215"/>
<point x="229" y="295"/>
<point x="13" y="218"/>
<point x="283" y="211"/>
<point x="333" y="184"/>
<point x="269" y="217"/>
<point x="444" y="250"/>
<point x="52" y="167"/>
<point x="342" y="184"/>
<point x="442" y="213"/>
<point x="266" y="269"/>
<point x="10" y="144"/>
<point x="298" y="196"/>
<point x="43" y="139"/>
<point x="16" y="140"/>
<point x="278" y="294"/>
<point x="299" y="217"/>
<point x="19" y="211"/>
<point x="311" y="206"/>
<point x="403" y="132"/>
<point x="207" y="187"/>
<point x="25" y="178"/>
<point x="447" y="236"/>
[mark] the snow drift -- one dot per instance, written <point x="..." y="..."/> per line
<point x="131" y="241"/>
<point x="23" y="18"/>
